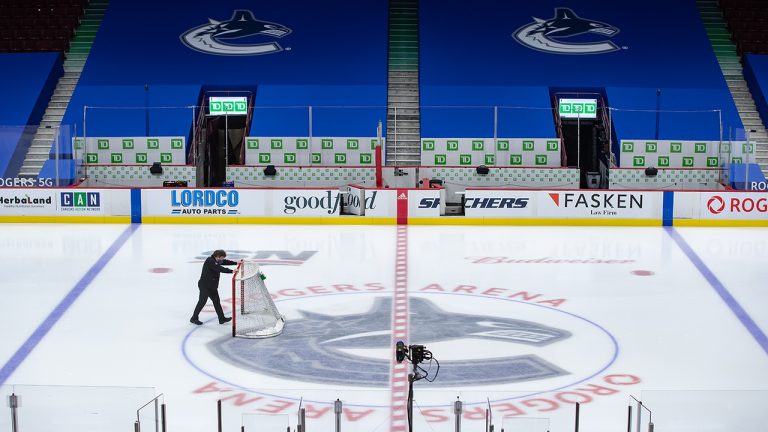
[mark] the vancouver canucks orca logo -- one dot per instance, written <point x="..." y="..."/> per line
<point x="310" y="349"/>
<point x="548" y="35"/>
<point x="209" y="38"/>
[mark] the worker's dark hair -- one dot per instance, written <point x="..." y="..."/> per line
<point x="219" y="253"/>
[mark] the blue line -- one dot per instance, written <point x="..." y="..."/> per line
<point x="21" y="354"/>
<point x="668" y="210"/>
<point x="136" y="206"/>
<point x="720" y="289"/>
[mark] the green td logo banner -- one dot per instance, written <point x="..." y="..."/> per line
<point x="353" y="144"/>
<point x="747" y="148"/>
<point x="153" y="143"/>
<point x="289" y="158"/>
<point x="340" y="158"/>
<point x="276" y="144"/>
<point x="515" y="159"/>
<point x="127" y="144"/>
<point x="687" y="161"/>
<point x="166" y="158"/>
<point x="453" y="145"/>
<point x="252" y="143"/>
<point x="527" y="145"/>
<point x="628" y="146"/>
<point x="317" y="158"/>
<point x="713" y="162"/>
<point x="117" y="158"/>
<point x="440" y="159"/>
<point x="228" y="105"/>
<point x="465" y="159"/>
<point x="478" y="145"/>
<point x="552" y="146"/>
<point x="177" y="144"/>
<point x="302" y="144"/>
<point x="265" y="158"/>
<point x="541" y="159"/>
<point x="737" y="160"/>
<point x="675" y="147"/>
<point x="79" y="143"/>
<point x="326" y="144"/>
<point x="578" y="108"/>
<point x="365" y="158"/>
<point x="664" y="161"/>
<point x="638" y="161"/>
<point x="490" y="159"/>
<point x="700" y="147"/>
<point x="502" y="145"/>
<point x="141" y="158"/>
<point x="103" y="144"/>
<point x="428" y="145"/>
<point x="651" y="147"/>
<point x="91" y="158"/>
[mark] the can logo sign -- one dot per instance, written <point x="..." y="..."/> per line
<point x="80" y="201"/>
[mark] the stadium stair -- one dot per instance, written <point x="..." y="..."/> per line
<point x="730" y="64"/>
<point x="403" y="116"/>
<point x="79" y="47"/>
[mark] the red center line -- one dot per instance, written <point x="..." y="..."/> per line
<point x="399" y="374"/>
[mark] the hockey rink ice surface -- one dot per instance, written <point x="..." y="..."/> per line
<point x="94" y="321"/>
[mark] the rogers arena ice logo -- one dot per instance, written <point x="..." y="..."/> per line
<point x="547" y="35"/>
<point x="209" y="202"/>
<point x="209" y="38"/>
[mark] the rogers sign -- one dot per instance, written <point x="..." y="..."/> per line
<point x="716" y="204"/>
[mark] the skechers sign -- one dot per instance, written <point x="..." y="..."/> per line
<point x="498" y="203"/>
<point x="562" y="33"/>
<point x="205" y="202"/>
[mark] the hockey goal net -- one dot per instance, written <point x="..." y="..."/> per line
<point x="254" y="314"/>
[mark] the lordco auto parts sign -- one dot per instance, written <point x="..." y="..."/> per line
<point x="739" y="205"/>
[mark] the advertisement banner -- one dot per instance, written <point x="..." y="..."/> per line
<point x="733" y="205"/>
<point x="65" y="202"/>
<point x="194" y="202"/>
<point x="499" y="203"/>
<point x="423" y="203"/>
<point x="316" y="202"/>
<point x="600" y="205"/>
<point x="22" y="202"/>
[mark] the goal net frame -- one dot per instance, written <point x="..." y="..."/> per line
<point x="239" y="285"/>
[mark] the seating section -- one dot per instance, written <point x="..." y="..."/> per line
<point x="498" y="54"/>
<point x="748" y="22"/>
<point x="38" y="25"/>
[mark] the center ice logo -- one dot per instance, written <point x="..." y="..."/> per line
<point x="209" y="38"/>
<point x="310" y="348"/>
<point x="548" y="35"/>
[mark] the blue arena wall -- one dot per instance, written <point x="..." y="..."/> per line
<point x="756" y="75"/>
<point x="335" y="54"/>
<point x="468" y="56"/>
<point x="26" y="82"/>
